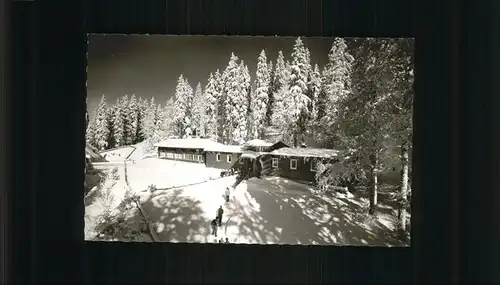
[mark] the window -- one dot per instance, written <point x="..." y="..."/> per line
<point x="275" y="162"/>
<point x="313" y="164"/>
<point x="293" y="164"/>
<point x="170" y="155"/>
<point x="229" y="158"/>
<point x="199" y="157"/>
<point x="217" y="157"/>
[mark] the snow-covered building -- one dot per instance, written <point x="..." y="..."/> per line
<point x="255" y="158"/>
<point x="260" y="158"/>
<point x="223" y="156"/>
<point x="189" y="149"/>
<point x="200" y="150"/>
<point x="298" y="163"/>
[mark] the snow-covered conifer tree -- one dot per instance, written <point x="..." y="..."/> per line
<point x="261" y="100"/>
<point x="199" y="118"/>
<point x="280" y="71"/>
<point x="101" y="124"/>
<point x="125" y="119"/>
<point x="140" y="119"/>
<point x="131" y="126"/>
<point x="110" y="119"/>
<point x="299" y="69"/>
<point x="336" y="81"/>
<point x="167" y="126"/>
<point x="91" y="130"/>
<point x="158" y="117"/>
<point x="231" y="93"/>
<point x="221" y="99"/>
<point x="118" y="129"/>
<point x="241" y="103"/>
<point x="270" y="93"/>
<point x="282" y="119"/>
<point x="211" y="107"/>
<point x="183" y="103"/>
<point x="149" y="119"/>
<point x="314" y="91"/>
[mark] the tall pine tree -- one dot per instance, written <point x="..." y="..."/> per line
<point x="230" y="97"/>
<point x="118" y="124"/>
<point x="198" y="112"/>
<point x="91" y="130"/>
<point x="260" y="102"/>
<point x="211" y="105"/>
<point x="168" y="127"/>
<point x="182" y="106"/>
<point x="299" y="68"/>
<point x="101" y="124"/>
<point x="336" y="87"/>
<point x="149" y="119"/>
<point x="314" y="93"/>
<point x="270" y="93"/>
<point x="132" y="121"/>
<point x="221" y="103"/>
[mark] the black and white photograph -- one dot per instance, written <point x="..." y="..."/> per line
<point x="249" y="140"/>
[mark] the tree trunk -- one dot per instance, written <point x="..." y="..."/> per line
<point x="374" y="183"/>
<point x="404" y="185"/>
<point x="295" y="139"/>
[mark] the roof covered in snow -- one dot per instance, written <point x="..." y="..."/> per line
<point x="257" y="142"/>
<point x="306" y="152"/>
<point x="250" y="154"/>
<point x="193" y="143"/>
<point x="224" y="148"/>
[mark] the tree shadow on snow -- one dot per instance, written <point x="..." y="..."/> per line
<point x="177" y="218"/>
<point x="295" y="218"/>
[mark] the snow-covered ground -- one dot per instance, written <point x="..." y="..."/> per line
<point x="165" y="173"/>
<point x="110" y="195"/>
<point x="261" y="211"/>
<point x="142" y="150"/>
<point x="264" y="211"/>
<point x="118" y="154"/>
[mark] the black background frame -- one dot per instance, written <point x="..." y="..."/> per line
<point x="456" y="182"/>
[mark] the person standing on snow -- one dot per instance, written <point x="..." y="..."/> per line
<point x="227" y="193"/>
<point x="213" y="224"/>
<point x="220" y="212"/>
<point x="227" y="240"/>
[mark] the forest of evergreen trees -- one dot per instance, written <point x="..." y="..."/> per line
<point x="360" y="101"/>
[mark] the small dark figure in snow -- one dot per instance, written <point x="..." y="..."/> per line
<point x="227" y="193"/>
<point x="220" y="212"/>
<point x="220" y="241"/>
<point x="213" y="224"/>
<point x="227" y="240"/>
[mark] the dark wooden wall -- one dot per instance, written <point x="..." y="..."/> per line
<point x="303" y="171"/>
<point x="211" y="160"/>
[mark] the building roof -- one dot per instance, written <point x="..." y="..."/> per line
<point x="224" y="148"/>
<point x="306" y="152"/>
<point x="192" y="143"/>
<point x="257" y="142"/>
<point x="250" y="154"/>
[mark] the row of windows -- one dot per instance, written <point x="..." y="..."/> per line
<point x="184" y="156"/>
<point x="229" y="158"/>
<point x="293" y="164"/>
